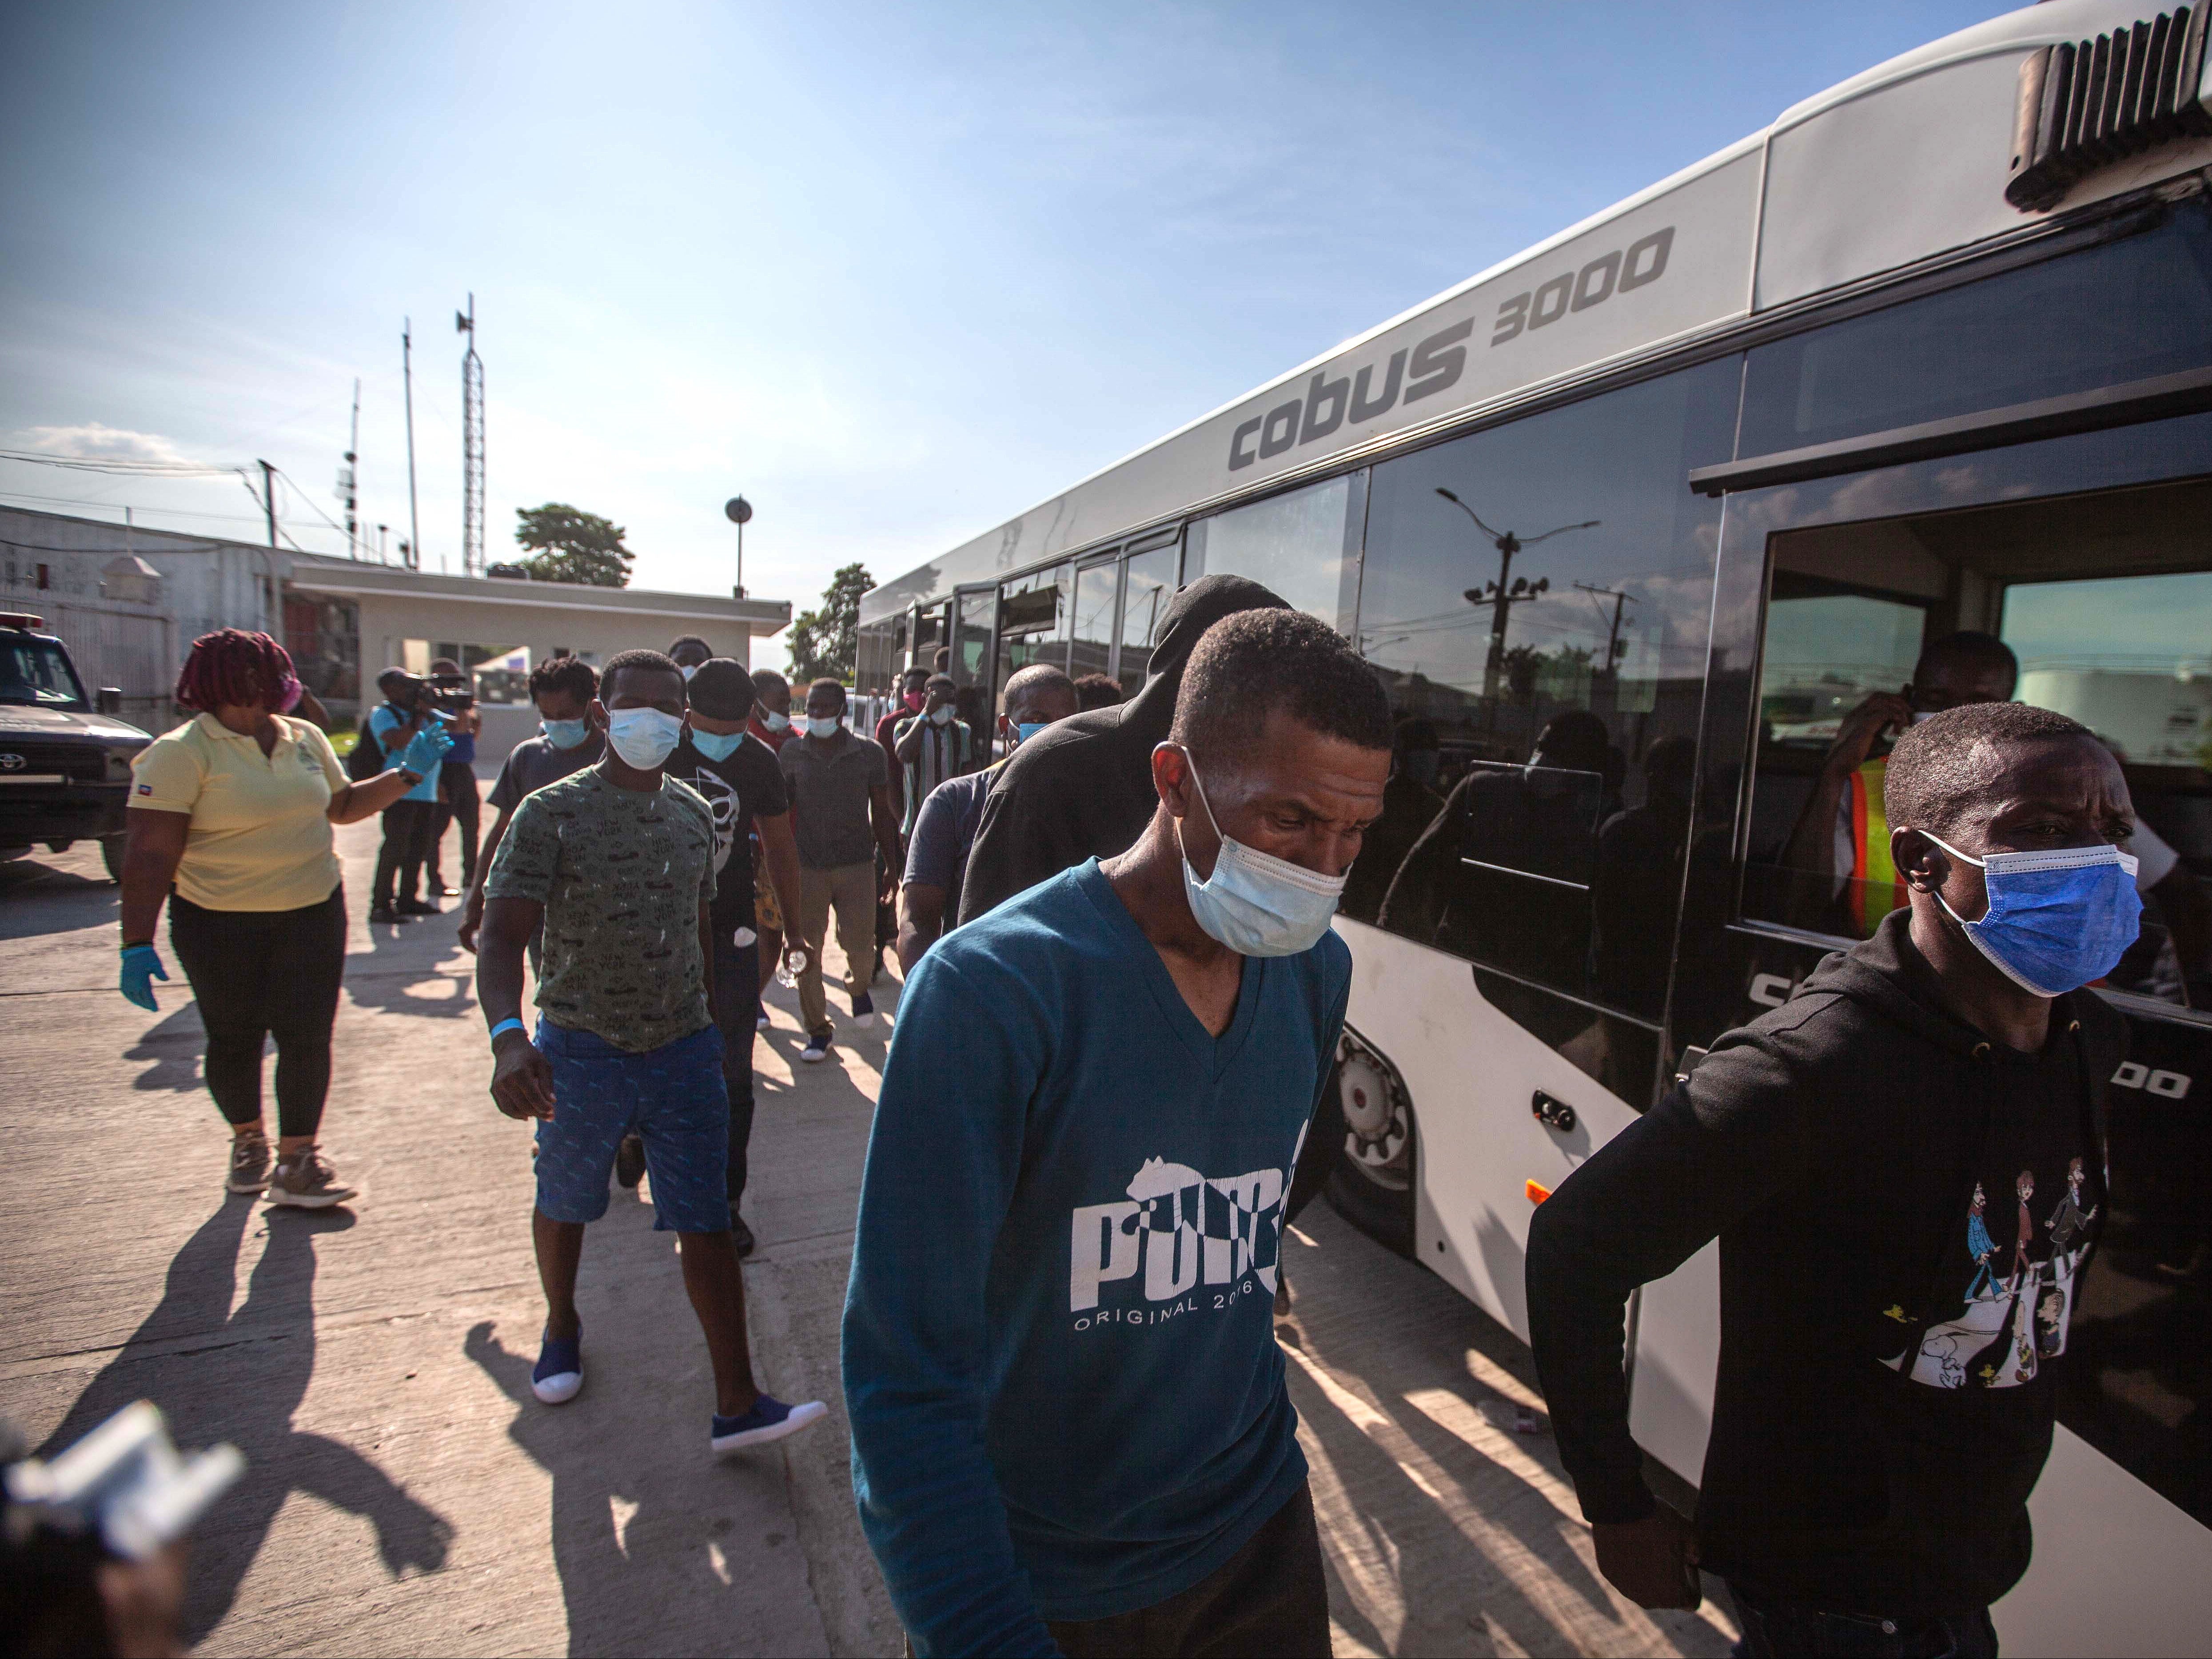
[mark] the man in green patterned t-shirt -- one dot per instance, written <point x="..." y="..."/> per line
<point x="617" y="862"/>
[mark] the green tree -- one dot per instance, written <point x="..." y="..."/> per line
<point x="571" y="545"/>
<point x="825" y="643"/>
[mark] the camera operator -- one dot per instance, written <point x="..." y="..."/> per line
<point x="409" y="705"/>
<point x="92" y="1543"/>
<point x="458" y="800"/>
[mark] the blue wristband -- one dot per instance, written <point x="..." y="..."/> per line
<point x="504" y="1026"/>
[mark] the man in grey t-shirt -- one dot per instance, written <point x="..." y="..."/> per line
<point x="563" y="689"/>
<point x="840" y="788"/>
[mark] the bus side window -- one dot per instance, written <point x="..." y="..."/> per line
<point x="1539" y="619"/>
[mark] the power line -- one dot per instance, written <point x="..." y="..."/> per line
<point x="171" y="512"/>
<point x="116" y="463"/>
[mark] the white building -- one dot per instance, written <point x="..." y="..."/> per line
<point x="130" y="602"/>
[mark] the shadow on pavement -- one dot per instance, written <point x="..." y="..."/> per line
<point x="38" y="899"/>
<point x="239" y="1377"/>
<point x="1442" y="1526"/>
<point x="175" y="1046"/>
<point x="646" y="1564"/>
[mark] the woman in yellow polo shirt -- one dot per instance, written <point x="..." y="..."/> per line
<point x="231" y="823"/>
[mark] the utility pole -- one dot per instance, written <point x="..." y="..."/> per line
<point x="1613" y="646"/>
<point x="407" y="375"/>
<point x="1501" y="595"/>
<point x="472" y="446"/>
<point x="268" y="497"/>
<point x="346" y="487"/>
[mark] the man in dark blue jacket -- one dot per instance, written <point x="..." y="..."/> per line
<point x="1070" y="1427"/>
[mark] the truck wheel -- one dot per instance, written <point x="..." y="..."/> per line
<point x="1372" y="1185"/>
<point x="111" y="854"/>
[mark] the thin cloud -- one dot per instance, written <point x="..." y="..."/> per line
<point x="94" y="443"/>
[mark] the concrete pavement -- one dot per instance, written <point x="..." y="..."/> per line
<point x="405" y="1493"/>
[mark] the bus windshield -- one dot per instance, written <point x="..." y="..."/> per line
<point x="38" y="671"/>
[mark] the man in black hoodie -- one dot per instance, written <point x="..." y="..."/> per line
<point x="1904" y="1166"/>
<point x="1084" y="788"/>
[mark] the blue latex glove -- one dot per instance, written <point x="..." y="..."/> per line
<point x="142" y="966"/>
<point x="424" y="754"/>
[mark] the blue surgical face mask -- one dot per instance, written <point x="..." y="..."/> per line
<point x="716" y="745"/>
<point x="775" y="722"/>
<point x="2057" y="920"/>
<point x="644" y="738"/>
<point x="1029" y="729"/>
<point x="824" y="728"/>
<point x="1254" y="902"/>
<point x="941" y="715"/>
<point x="565" y="734"/>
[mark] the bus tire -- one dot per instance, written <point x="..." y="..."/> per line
<point x="1372" y="1184"/>
<point x="111" y="854"/>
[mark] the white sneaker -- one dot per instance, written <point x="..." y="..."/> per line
<point x="558" y="1375"/>
<point x="816" y="1050"/>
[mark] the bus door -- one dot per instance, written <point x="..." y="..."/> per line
<point x="1034" y="616"/>
<point x="2087" y="557"/>
<point x="1535" y="598"/>
<point x="973" y="614"/>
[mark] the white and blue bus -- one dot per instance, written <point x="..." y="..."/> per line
<point x="1684" y="484"/>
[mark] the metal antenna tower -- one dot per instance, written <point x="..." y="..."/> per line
<point x="407" y="374"/>
<point x="472" y="446"/>
<point x="346" y="490"/>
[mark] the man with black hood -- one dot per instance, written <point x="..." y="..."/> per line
<point x="1083" y="789"/>
<point x="1904" y="1166"/>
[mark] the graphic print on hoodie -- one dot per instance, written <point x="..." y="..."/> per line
<point x="2018" y="1297"/>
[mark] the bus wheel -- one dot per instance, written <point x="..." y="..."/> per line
<point x="1372" y="1185"/>
<point x="111" y="854"/>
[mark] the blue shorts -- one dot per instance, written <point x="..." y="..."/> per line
<point x="671" y="1096"/>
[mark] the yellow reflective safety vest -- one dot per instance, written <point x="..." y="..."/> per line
<point x="1875" y="890"/>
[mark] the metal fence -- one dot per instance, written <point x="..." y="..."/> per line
<point x="115" y="643"/>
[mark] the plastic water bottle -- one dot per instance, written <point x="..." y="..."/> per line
<point x="793" y="965"/>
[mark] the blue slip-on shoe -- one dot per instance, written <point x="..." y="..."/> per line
<point x="558" y="1375"/>
<point x="864" y="1011"/>
<point x="768" y="1419"/>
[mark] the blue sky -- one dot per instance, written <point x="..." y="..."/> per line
<point x="896" y="272"/>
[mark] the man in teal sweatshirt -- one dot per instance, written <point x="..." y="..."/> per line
<point x="1070" y="1428"/>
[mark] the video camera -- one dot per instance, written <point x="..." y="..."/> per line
<point x="122" y="1494"/>
<point x="443" y="695"/>
<point x="452" y="693"/>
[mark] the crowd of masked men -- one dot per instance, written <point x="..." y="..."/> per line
<point x="1121" y="997"/>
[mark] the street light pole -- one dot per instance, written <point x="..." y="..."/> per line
<point x="738" y="510"/>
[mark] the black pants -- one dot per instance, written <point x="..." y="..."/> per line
<point x="457" y="802"/>
<point x="886" y="914"/>
<point x="408" y="826"/>
<point x="736" y="1004"/>
<point x="259" y="973"/>
<point x="1270" y="1597"/>
<point x="1784" y="1629"/>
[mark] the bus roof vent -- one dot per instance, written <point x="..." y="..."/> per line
<point x="2087" y="105"/>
